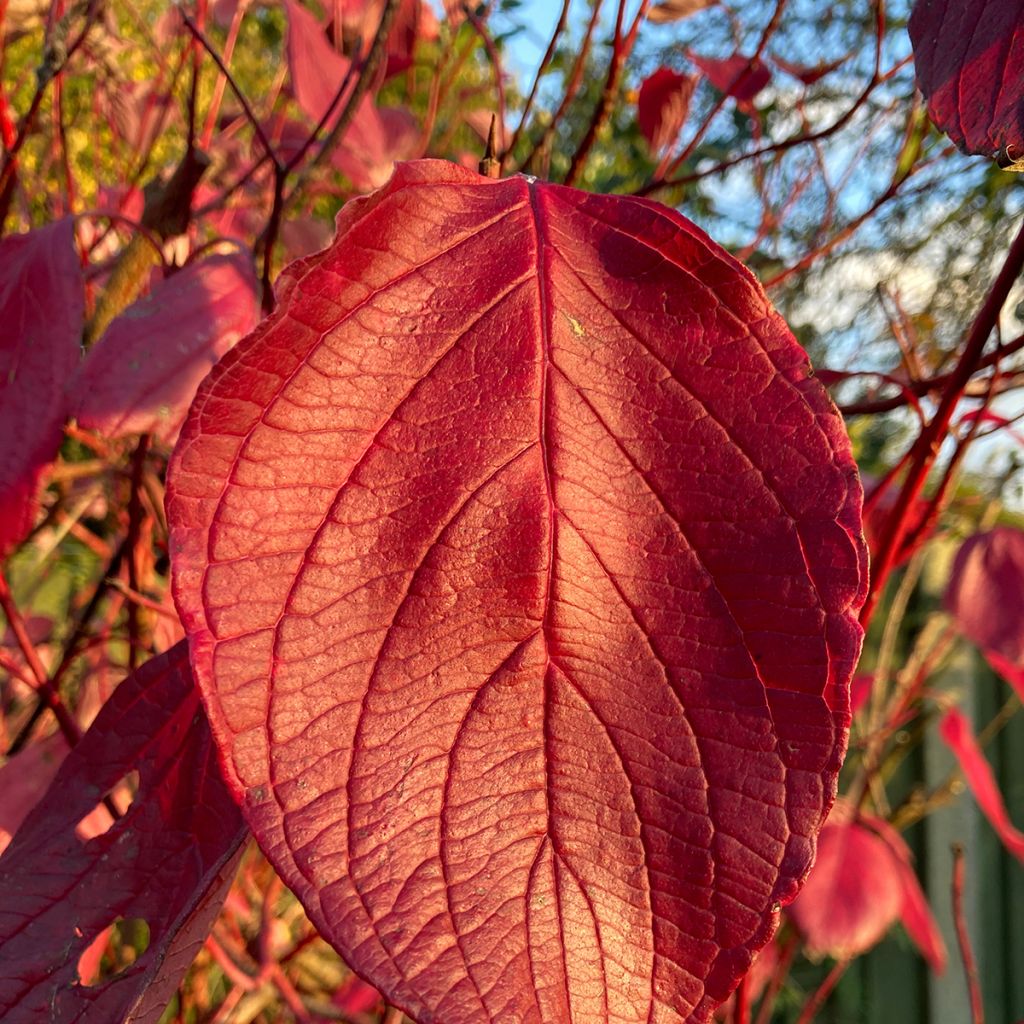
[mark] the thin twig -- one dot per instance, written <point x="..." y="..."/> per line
<point x="623" y="45"/>
<point x="963" y="937"/>
<point x="46" y="689"/>
<point x="201" y="38"/>
<point x="927" y="446"/>
<point x="816" y="1000"/>
<point x="545" y="61"/>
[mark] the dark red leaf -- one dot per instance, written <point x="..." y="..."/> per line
<point x="985" y="596"/>
<point x="167" y="861"/>
<point x="519" y="551"/>
<point x="968" y="55"/>
<point x="662" y="106"/>
<point x="862" y="882"/>
<point x="42" y="303"/>
<point x="956" y="731"/>
<point x="676" y="10"/>
<point x="736" y="76"/>
<point x="414" y="21"/>
<point x="142" y="374"/>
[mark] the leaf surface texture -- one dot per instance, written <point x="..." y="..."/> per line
<point x="968" y="56"/>
<point x="519" y="554"/>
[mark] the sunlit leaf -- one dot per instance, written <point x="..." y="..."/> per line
<point x="141" y="375"/>
<point x="519" y="555"/>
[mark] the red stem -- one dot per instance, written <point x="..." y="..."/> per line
<point x="786" y="956"/>
<point x="135" y="514"/>
<point x="817" y="998"/>
<point x="623" y="45"/>
<point x="926" y="448"/>
<point x="45" y="687"/>
<point x="741" y="1004"/>
<point x="963" y="938"/>
<point x="775" y="147"/>
<point x="545" y="60"/>
<point x="250" y="115"/>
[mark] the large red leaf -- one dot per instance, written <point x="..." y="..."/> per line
<point x="968" y="56"/>
<point x="519" y="557"/>
<point x="141" y="375"/>
<point x="42" y="303"/>
<point x="167" y="861"/>
<point x="985" y="596"/>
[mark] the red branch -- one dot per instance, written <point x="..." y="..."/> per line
<point x="926" y="448"/>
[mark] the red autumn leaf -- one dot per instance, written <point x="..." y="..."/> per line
<point x="42" y="304"/>
<point x="519" y="555"/>
<point x="317" y="69"/>
<point x="985" y="596"/>
<point x="956" y="731"/>
<point x="142" y="374"/>
<point x="968" y="56"/>
<point x="736" y="76"/>
<point x="919" y="922"/>
<point x="809" y="74"/>
<point x="414" y="20"/>
<point x="676" y="10"/>
<point x="853" y="895"/>
<point x="454" y="12"/>
<point x="356" y="997"/>
<point x="374" y="140"/>
<point x="167" y="861"/>
<point x="861" y="884"/>
<point x="304" y="235"/>
<point x="915" y="913"/>
<point x="662" y="106"/>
